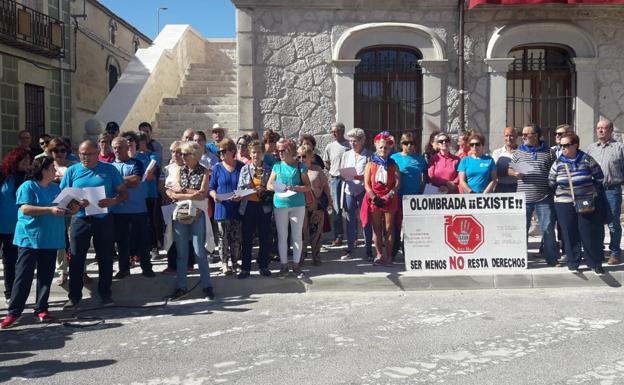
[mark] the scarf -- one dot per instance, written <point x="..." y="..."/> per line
<point x="534" y="150"/>
<point x="572" y="163"/>
<point x="383" y="162"/>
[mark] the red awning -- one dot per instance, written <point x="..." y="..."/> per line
<point x="474" y="3"/>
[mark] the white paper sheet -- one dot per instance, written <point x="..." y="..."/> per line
<point x="431" y="189"/>
<point x="279" y="187"/>
<point x="167" y="212"/>
<point x="285" y="194"/>
<point x="348" y="173"/>
<point x="67" y="195"/>
<point x="226" y="196"/>
<point x="94" y="195"/>
<point x="245" y="192"/>
<point x="522" y="167"/>
<point x="149" y="167"/>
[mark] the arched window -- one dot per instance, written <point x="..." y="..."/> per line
<point x="112" y="32"/>
<point x="540" y="88"/>
<point x="388" y="91"/>
<point x="113" y="76"/>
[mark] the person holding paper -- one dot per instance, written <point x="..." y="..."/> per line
<point x="194" y="188"/>
<point x="131" y="221"/>
<point x="382" y="181"/>
<point x="477" y="171"/>
<point x="256" y="211"/>
<point x="318" y="199"/>
<point x="224" y="180"/>
<point x="289" y="208"/>
<point x="39" y="233"/>
<point x="357" y="157"/>
<point x="12" y="172"/>
<point x="534" y="184"/>
<point x="91" y="173"/>
<point x="442" y="169"/>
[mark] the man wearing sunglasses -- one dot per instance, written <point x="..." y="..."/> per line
<point x="609" y="154"/>
<point x="44" y="141"/>
<point x="561" y="130"/>
<point x="534" y="184"/>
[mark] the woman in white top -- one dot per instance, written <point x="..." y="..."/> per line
<point x="357" y="157"/>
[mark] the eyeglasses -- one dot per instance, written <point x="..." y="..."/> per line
<point x="524" y="135"/>
<point x="59" y="151"/>
<point x="475" y="144"/>
<point x="559" y="133"/>
<point x="443" y="141"/>
<point x="407" y="143"/>
<point x="44" y="142"/>
<point x="566" y="145"/>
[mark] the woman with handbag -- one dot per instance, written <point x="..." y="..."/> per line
<point x="382" y="180"/>
<point x="577" y="178"/>
<point x="318" y="199"/>
<point x="289" y="180"/>
<point x="190" y="223"/>
<point x="256" y="211"/>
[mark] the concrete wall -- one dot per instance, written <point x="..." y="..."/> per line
<point x="95" y="53"/>
<point x="288" y="85"/>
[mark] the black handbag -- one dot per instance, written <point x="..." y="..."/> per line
<point x="582" y="206"/>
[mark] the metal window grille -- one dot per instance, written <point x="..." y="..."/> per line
<point x="35" y="109"/>
<point x="388" y="92"/>
<point x="540" y="89"/>
<point x="113" y="76"/>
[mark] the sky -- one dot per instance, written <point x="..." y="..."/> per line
<point x="211" y="18"/>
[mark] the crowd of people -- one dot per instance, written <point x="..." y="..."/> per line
<point x="213" y="201"/>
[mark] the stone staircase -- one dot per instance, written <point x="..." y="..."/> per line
<point x="207" y="96"/>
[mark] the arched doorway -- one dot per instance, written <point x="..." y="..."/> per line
<point x="388" y="91"/>
<point x="540" y="88"/>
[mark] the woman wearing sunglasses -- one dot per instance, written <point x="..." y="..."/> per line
<point x="382" y="180"/>
<point x="477" y="172"/>
<point x="442" y="169"/>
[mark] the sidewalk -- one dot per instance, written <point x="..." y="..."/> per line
<point x="352" y="275"/>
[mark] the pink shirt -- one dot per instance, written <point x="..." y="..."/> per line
<point x="443" y="169"/>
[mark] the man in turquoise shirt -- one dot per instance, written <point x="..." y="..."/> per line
<point x="92" y="173"/>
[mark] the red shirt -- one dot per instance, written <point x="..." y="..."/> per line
<point x="443" y="168"/>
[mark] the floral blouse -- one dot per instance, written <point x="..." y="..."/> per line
<point x="192" y="179"/>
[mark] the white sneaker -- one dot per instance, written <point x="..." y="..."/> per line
<point x="347" y="256"/>
<point x="155" y="254"/>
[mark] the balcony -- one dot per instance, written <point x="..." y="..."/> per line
<point x="32" y="31"/>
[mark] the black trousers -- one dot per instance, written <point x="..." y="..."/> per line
<point x="82" y="230"/>
<point x="9" y="259"/>
<point x="132" y="227"/>
<point x="580" y="230"/>
<point x="155" y="222"/>
<point x="44" y="260"/>
<point x="256" y="219"/>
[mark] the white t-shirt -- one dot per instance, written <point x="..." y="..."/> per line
<point x="333" y="154"/>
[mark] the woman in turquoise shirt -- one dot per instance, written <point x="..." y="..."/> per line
<point x="289" y="203"/>
<point x="477" y="172"/>
<point x="12" y="171"/>
<point x="39" y="233"/>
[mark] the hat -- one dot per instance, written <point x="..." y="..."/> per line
<point x="217" y="127"/>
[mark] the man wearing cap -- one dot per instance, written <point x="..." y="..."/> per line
<point x="218" y="133"/>
<point x="112" y="128"/>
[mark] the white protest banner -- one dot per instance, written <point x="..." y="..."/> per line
<point x="458" y="233"/>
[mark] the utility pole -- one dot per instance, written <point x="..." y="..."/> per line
<point x="158" y="18"/>
<point x="460" y="56"/>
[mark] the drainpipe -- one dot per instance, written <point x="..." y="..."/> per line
<point x="460" y="55"/>
<point x="62" y="77"/>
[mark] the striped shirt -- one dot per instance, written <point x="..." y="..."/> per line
<point x="610" y="157"/>
<point x="534" y="185"/>
<point x="585" y="173"/>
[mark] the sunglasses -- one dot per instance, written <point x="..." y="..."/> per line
<point x="59" y="151"/>
<point x="407" y="143"/>
<point x="559" y="133"/>
<point x="302" y="157"/>
<point x="475" y="144"/>
<point x="44" y="142"/>
<point x="566" y="145"/>
<point x="529" y="134"/>
<point x="444" y="141"/>
<point x="221" y="152"/>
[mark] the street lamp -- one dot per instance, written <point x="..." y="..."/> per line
<point x="158" y="17"/>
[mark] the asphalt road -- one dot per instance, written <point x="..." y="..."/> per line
<point x="549" y="336"/>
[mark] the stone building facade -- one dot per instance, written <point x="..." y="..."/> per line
<point x="298" y="62"/>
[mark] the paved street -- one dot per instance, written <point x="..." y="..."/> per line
<point x="536" y="336"/>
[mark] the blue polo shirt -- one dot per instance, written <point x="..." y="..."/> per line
<point x="412" y="167"/>
<point x="41" y="231"/>
<point x="136" y="196"/>
<point x="478" y="171"/>
<point x="103" y="174"/>
<point x="8" y="209"/>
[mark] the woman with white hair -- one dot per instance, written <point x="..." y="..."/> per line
<point x="357" y="157"/>
<point x="289" y="179"/>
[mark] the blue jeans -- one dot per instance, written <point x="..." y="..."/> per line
<point x="182" y="234"/>
<point x="545" y="211"/>
<point x="335" y="186"/>
<point x="614" y="197"/>
<point x="578" y="230"/>
<point x="353" y="204"/>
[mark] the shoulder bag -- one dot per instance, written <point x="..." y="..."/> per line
<point x="582" y="206"/>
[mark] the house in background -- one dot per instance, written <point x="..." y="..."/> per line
<point x="58" y="61"/>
